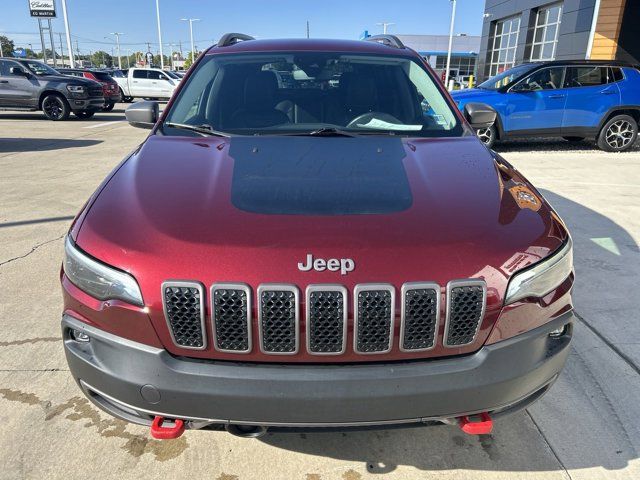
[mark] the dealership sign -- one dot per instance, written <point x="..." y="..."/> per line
<point x="42" y="8"/>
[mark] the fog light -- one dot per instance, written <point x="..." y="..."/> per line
<point x="79" y="336"/>
<point x="558" y="332"/>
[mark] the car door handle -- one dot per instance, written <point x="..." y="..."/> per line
<point x="608" y="91"/>
<point x="154" y="82"/>
<point x="557" y="95"/>
<point x="4" y="81"/>
<point x="135" y="81"/>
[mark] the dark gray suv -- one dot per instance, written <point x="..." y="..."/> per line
<point x="32" y="85"/>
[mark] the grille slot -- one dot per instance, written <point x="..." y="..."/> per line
<point x="326" y="308"/>
<point x="374" y="312"/>
<point x="183" y="304"/>
<point x="231" y="317"/>
<point x="420" y="316"/>
<point x="466" y="301"/>
<point x="278" y="319"/>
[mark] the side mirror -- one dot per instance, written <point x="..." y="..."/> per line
<point x="18" y="71"/>
<point x="143" y="114"/>
<point x="479" y="115"/>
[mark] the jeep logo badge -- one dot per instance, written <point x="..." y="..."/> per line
<point x="345" y="265"/>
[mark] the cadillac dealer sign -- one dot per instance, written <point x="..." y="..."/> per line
<point x="42" y="8"/>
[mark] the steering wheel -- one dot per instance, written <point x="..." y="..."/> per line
<point x="367" y="117"/>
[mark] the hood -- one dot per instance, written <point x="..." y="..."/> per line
<point x="250" y="209"/>
<point x="473" y="94"/>
<point x="68" y="80"/>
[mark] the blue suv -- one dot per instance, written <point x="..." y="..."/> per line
<point x="570" y="99"/>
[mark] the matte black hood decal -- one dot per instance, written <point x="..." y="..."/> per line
<point x="319" y="176"/>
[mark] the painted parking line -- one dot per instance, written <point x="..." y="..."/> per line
<point x="98" y="125"/>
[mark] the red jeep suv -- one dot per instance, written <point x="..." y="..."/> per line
<point x="312" y="236"/>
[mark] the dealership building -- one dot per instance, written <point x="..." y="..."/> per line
<point x="464" y="51"/>
<point x="519" y="31"/>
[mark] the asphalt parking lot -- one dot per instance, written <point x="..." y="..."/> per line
<point x="587" y="427"/>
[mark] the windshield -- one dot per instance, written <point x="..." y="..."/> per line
<point x="303" y="92"/>
<point x="103" y="77"/>
<point x="506" y="77"/>
<point x="41" y="69"/>
<point x="171" y="74"/>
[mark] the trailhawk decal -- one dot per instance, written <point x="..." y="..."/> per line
<point x="345" y="265"/>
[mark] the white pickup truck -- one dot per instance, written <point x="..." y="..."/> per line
<point x="146" y="83"/>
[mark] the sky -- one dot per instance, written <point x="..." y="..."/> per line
<point x="93" y="20"/>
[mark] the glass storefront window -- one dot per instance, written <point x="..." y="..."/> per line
<point x="503" y="45"/>
<point x="545" y="36"/>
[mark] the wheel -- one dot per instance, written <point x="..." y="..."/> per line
<point x="573" y="139"/>
<point x="84" y="113"/>
<point x="125" y="98"/>
<point x="618" y="134"/>
<point x="55" y="107"/>
<point x="487" y="136"/>
<point x="108" y="107"/>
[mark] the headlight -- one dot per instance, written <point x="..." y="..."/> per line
<point x="75" y="88"/>
<point x="97" y="279"/>
<point x="543" y="277"/>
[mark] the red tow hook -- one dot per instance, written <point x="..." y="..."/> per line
<point x="476" y="427"/>
<point x="166" y="433"/>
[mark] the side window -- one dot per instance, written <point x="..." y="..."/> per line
<point x="153" y="75"/>
<point x="545" y="79"/>
<point x="5" y="67"/>
<point x="586" y="76"/>
<point x="139" y="74"/>
<point x="616" y="74"/>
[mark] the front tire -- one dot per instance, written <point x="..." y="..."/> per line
<point x="618" y="134"/>
<point x="83" y="114"/>
<point x="487" y="136"/>
<point x="55" y="107"/>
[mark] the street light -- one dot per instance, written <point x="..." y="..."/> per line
<point x="117" y="35"/>
<point x="159" y="34"/>
<point x="193" y="50"/>
<point x="384" y="26"/>
<point x="453" y="19"/>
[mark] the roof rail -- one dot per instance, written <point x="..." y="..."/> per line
<point x="232" y="38"/>
<point x="388" y="40"/>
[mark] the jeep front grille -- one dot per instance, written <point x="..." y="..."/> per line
<point x="466" y="301"/>
<point x="278" y="319"/>
<point x="231" y="315"/>
<point x="373" y="318"/>
<point x="420" y="315"/>
<point x="326" y="319"/>
<point x="184" y="311"/>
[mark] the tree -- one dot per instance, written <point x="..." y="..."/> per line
<point x="7" y="46"/>
<point x="100" y="58"/>
<point x="189" y="60"/>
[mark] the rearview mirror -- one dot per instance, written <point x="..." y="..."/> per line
<point x="143" y="114"/>
<point x="479" y="115"/>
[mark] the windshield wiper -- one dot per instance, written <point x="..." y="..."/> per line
<point x="326" y="132"/>
<point x="204" y="130"/>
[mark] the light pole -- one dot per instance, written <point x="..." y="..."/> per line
<point x="66" y="27"/>
<point x="117" y="35"/>
<point x="159" y="34"/>
<point x="453" y="19"/>
<point x="384" y="26"/>
<point x="193" y="50"/>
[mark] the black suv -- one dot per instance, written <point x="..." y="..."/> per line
<point x="32" y="85"/>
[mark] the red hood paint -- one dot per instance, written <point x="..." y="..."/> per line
<point x="167" y="214"/>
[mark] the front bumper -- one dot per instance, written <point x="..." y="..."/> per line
<point x="91" y="103"/>
<point x="136" y="382"/>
